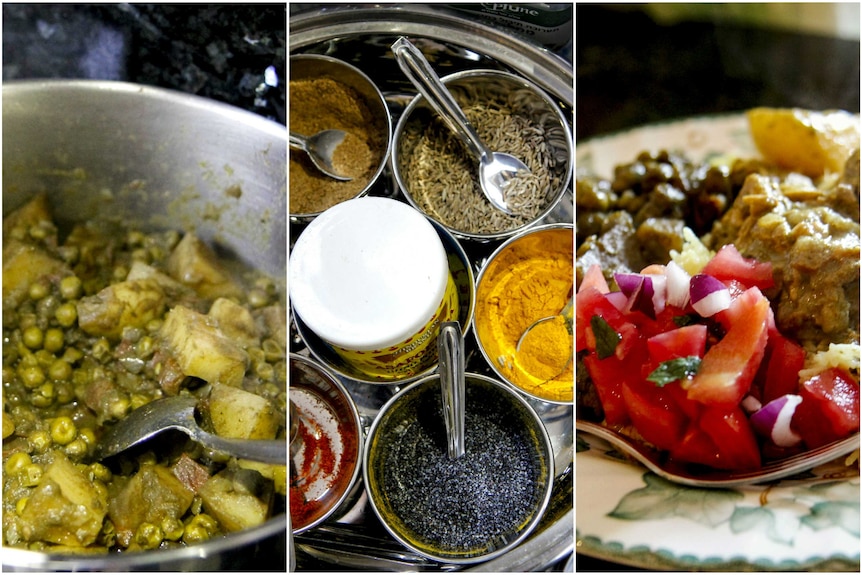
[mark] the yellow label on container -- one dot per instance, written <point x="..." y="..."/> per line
<point x="413" y="355"/>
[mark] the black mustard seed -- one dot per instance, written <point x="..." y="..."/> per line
<point x="478" y="502"/>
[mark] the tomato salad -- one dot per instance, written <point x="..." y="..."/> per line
<point x="695" y="365"/>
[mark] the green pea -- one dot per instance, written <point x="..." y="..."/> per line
<point x="32" y="474"/>
<point x="149" y="536"/>
<point x="71" y="287"/>
<point x="193" y="533"/>
<point x="100" y="472"/>
<point x="205" y="521"/>
<point x="54" y="340"/>
<point x="17" y="463"/>
<point x="119" y="408"/>
<point x="39" y="441"/>
<point x="172" y="528"/>
<point x="33" y="337"/>
<point x="44" y="395"/>
<point x="72" y="355"/>
<point x="38" y="290"/>
<point x="66" y="314"/>
<point x="265" y="371"/>
<point x="257" y="298"/>
<point x="60" y="370"/>
<point x="63" y="430"/>
<point x="32" y="376"/>
<point x="76" y="448"/>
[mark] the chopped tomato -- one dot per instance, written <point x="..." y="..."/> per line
<point x="590" y="302"/>
<point x="608" y="375"/>
<point x="732" y="434"/>
<point x="729" y="367"/>
<point x="595" y="279"/>
<point x="720" y="438"/>
<point x="699" y="418"/>
<point x="696" y="447"/>
<point x="829" y="410"/>
<point x="684" y="341"/>
<point x="654" y="413"/>
<point x="729" y="265"/>
<point x="784" y="359"/>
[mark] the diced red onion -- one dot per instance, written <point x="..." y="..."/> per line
<point x="708" y="295"/>
<point x="629" y="283"/>
<point x="677" y="285"/>
<point x="639" y="290"/>
<point x="773" y="420"/>
<point x="659" y="289"/>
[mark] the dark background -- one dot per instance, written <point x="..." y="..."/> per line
<point x="218" y="51"/>
<point x="632" y="71"/>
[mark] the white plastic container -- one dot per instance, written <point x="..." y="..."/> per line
<point x="370" y="277"/>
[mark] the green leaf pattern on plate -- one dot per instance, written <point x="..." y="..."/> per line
<point x="781" y="515"/>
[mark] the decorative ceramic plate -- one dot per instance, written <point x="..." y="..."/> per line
<point x="628" y="515"/>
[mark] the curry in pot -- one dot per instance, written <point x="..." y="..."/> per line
<point x="97" y="324"/>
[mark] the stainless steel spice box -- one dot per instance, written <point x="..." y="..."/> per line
<point x="354" y="539"/>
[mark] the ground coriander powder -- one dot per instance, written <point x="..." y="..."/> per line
<point x="324" y="103"/>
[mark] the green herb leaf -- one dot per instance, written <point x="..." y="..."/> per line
<point x="675" y="369"/>
<point x="607" y="337"/>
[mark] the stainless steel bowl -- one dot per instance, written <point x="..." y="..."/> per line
<point x="396" y="430"/>
<point x="332" y="408"/>
<point x="476" y="87"/>
<point x="312" y="66"/>
<point x="158" y="159"/>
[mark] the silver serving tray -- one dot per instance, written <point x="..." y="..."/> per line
<point x="362" y="35"/>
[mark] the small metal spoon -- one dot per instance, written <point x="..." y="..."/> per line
<point x="320" y="148"/>
<point x="450" y="351"/>
<point x="566" y="314"/>
<point x="658" y="463"/>
<point x="495" y="169"/>
<point x="179" y="413"/>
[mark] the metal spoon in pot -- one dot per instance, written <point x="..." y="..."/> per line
<point x="450" y="351"/>
<point x="179" y="413"/>
<point x="320" y="149"/>
<point x="496" y="169"/>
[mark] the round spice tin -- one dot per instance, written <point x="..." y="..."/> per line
<point x="529" y="279"/>
<point x="370" y="277"/>
<point x="472" y="508"/>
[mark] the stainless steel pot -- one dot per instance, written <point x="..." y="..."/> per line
<point x="159" y="159"/>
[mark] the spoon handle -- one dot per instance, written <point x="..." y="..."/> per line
<point x="450" y="349"/>
<point x="272" y="451"/>
<point x="419" y="71"/>
<point x="298" y="141"/>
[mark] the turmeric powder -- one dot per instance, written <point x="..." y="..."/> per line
<point x="530" y="279"/>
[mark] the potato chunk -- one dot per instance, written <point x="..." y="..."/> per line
<point x="24" y="264"/>
<point x="65" y="508"/>
<point x="237" y="413"/>
<point x="236" y="322"/>
<point x="806" y="141"/>
<point x="152" y="495"/>
<point x="194" y="264"/>
<point x="237" y="498"/>
<point x="201" y="349"/>
<point x="124" y="304"/>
